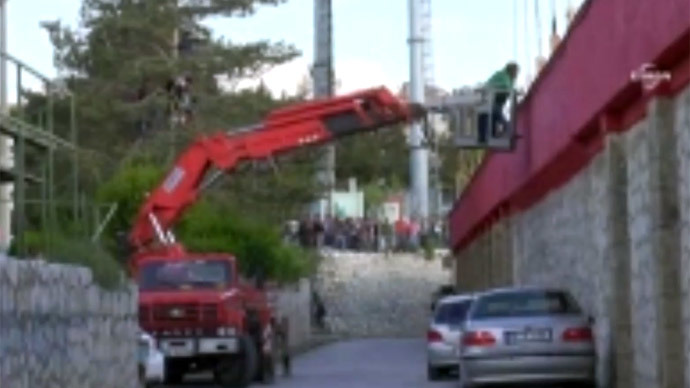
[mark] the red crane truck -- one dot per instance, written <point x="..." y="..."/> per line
<point x="202" y="313"/>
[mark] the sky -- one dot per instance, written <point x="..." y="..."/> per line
<point x="470" y="38"/>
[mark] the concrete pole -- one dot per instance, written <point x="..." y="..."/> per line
<point x="3" y="48"/>
<point x="6" y="158"/>
<point x="323" y="81"/>
<point x="419" y="157"/>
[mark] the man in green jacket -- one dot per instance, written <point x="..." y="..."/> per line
<point x="502" y="82"/>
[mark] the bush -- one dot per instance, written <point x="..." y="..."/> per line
<point x="258" y="247"/>
<point x="58" y="248"/>
<point x="212" y="225"/>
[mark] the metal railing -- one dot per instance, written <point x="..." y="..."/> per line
<point x="33" y="128"/>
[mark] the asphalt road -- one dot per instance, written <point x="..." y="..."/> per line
<point x="374" y="363"/>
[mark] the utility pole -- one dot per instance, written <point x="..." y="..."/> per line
<point x="6" y="158"/>
<point x="322" y="74"/>
<point x="419" y="158"/>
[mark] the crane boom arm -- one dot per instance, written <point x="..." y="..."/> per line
<point x="305" y="124"/>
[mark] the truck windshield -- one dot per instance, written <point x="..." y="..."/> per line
<point x="185" y="275"/>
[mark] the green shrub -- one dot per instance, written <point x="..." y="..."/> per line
<point x="258" y="247"/>
<point x="212" y="225"/>
<point x="58" y="248"/>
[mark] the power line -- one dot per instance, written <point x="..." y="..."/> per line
<point x="537" y="18"/>
<point x="515" y="30"/>
<point x="528" y="62"/>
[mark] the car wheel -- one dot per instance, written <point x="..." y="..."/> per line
<point x="432" y="373"/>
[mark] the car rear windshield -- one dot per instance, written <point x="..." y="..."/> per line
<point x="524" y="304"/>
<point x="452" y="313"/>
<point x="187" y="274"/>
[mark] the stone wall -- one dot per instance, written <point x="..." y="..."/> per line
<point x="616" y="235"/>
<point x="564" y="242"/>
<point x="378" y="295"/>
<point x="682" y="132"/>
<point x="488" y="262"/>
<point x="58" y="329"/>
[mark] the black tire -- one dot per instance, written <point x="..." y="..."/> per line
<point x="174" y="372"/>
<point x="238" y="371"/>
<point x="582" y="385"/>
<point x="433" y="374"/>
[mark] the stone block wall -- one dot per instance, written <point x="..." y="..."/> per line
<point x="682" y="132"/>
<point x="564" y="242"/>
<point x="616" y="235"/>
<point x="369" y="294"/>
<point x="488" y="262"/>
<point x="654" y="250"/>
<point x="58" y="329"/>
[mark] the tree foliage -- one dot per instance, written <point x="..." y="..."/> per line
<point x="212" y="225"/>
<point x="376" y="157"/>
<point x="127" y="51"/>
<point x="119" y="63"/>
<point x="124" y="55"/>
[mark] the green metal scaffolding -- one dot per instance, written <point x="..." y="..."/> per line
<point x="39" y="135"/>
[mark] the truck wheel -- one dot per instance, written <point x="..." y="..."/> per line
<point x="174" y="371"/>
<point x="238" y="371"/>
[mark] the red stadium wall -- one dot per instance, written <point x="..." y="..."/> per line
<point x="584" y="92"/>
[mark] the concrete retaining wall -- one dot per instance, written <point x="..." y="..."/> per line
<point x="369" y="294"/>
<point x="58" y="329"/>
<point x="617" y="236"/>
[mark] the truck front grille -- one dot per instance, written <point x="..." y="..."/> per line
<point x="188" y="312"/>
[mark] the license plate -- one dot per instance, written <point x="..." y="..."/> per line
<point x="178" y="348"/>
<point x="178" y="352"/>
<point x="531" y="335"/>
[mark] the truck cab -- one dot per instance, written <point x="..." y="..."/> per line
<point x="203" y="315"/>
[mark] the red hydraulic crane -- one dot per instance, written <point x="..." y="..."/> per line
<point x="305" y="124"/>
<point x="201" y="312"/>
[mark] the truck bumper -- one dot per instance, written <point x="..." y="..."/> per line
<point x="190" y="347"/>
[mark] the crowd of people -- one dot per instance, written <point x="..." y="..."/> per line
<point x="355" y="234"/>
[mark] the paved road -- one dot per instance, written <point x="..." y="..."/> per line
<point x="375" y="363"/>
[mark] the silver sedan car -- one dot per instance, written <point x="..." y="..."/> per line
<point x="526" y="335"/>
<point x="443" y="335"/>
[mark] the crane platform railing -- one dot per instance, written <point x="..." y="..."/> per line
<point x="472" y="118"/>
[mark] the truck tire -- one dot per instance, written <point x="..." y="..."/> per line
<point x="238" y="371"/>
<point x="174" y="372"/>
